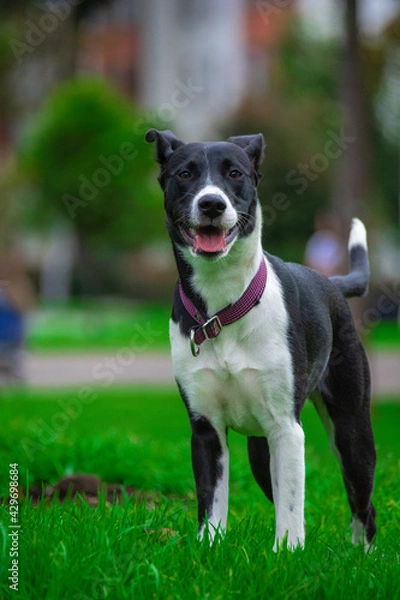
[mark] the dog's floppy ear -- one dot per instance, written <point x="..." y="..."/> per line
<point x="253" y="145"/>
<point x="166" y="144"/>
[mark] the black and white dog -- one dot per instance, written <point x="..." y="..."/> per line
<point x="252" y="337"/>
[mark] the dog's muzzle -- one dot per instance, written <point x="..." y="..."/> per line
<point x="209" y="239"/>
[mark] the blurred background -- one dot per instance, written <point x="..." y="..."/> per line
<point x="85" y="262"/>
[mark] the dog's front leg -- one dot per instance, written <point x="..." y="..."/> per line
<point x="288" y="483"/>
<point x="210" y="460"/>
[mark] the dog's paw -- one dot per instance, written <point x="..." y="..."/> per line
<point x="288" y="542"/>
<point x="213" y="533"/>
<point x="358" y="535"/>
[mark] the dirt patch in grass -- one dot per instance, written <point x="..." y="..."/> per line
<point x="86" y="487"/>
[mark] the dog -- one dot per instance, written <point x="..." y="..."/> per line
<point x="253" y="337"/>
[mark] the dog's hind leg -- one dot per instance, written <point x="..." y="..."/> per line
<point x="344" y="408"/>
<point x="210" y="461"/>
<point x="260" y="459"/>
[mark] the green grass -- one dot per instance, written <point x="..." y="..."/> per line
<point x="102" y="326"/>
<point x="149" y="550"/>
<point x="98" y="327"/>
<point x="386" y="336"/>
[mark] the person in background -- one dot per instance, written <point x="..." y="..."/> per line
<point x="16" y="297"/>
<point x="324" y="250"/>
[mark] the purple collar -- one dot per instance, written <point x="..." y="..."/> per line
<point x="211" y="327"/>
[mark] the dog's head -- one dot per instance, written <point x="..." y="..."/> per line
<point x="209" y="190"/>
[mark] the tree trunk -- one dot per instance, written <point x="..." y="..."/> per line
<point x="353" y="180"/>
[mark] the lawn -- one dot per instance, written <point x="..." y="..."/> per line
<point x="95" y="326"/>
<point x="148" y="549"/>
<point x="385" y="336"/>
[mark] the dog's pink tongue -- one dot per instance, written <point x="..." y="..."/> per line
<point x="209" y="240"/>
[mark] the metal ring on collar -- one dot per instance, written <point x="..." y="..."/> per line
<point x="195" y="348"/>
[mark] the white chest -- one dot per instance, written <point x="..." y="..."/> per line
<point x="243" y="379"/>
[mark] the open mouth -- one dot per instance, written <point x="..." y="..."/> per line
<point x="209" y="239"/>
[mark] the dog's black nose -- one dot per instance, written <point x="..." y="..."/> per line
<point x="212" y="205"/>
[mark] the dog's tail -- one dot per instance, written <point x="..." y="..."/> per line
<point x="356" y="282"/>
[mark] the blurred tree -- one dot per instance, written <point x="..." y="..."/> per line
<point x="8" y="211"/>
<point x="11" y="9"/>
<point x="79" y="9"/>
<point x="354" y="181"/>
<point x="300" y="120"/>
<point x="383" y="62"/>
<point x="325" y="147"/>
<point x="68" y="16"/>
<point x="85" y="160"/>
<point x="24" y="36"/>
<point x="7" y="31"/>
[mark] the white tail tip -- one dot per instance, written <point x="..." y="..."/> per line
<point x="358" y="234"/>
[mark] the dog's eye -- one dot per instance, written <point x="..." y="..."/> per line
<point x="185" y="175"/>
<point x="235" y="174"/>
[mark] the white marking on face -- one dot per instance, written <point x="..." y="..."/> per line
<point x="222" y="282"/>
<point x="227" y="220"/>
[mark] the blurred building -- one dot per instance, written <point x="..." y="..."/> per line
<point x="324" y="17"/>
<point x="191" y="62"/>
<point x="194" y="61"/>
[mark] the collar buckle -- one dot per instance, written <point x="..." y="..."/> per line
<point x="212" y="328"/>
